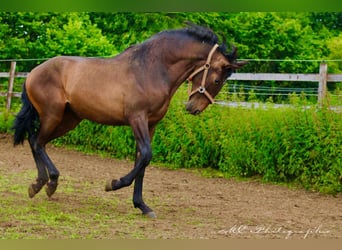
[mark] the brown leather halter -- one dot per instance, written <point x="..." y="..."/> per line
<point x="201" y="89"/>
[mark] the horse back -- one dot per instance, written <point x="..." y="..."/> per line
<point x="103" y="90"/>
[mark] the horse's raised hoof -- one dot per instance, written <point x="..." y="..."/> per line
<point x="32" y="191"/>
<point x="50" y="189"/>
<point x="151" y="215"/>
<point x="112" y="185"/>
<point x="109" y="186"/>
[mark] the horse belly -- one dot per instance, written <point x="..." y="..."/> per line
<point x="99" y="109"/>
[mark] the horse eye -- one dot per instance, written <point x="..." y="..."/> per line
<point x="217" y="81"/>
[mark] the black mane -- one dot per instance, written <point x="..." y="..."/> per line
<point x="201" y="33"/>
<point x="197" y="32"/>
<point x="206" y="35"/>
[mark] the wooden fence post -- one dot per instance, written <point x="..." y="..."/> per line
<point x="10" y="85"/>
<point x="322" y="86"/>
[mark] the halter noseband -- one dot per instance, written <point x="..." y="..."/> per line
<point x="201" y="89"/>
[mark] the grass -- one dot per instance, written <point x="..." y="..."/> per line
<point x="75" y="216"/>
<point x="78" y="213"/>
<point x="80" y="210"/>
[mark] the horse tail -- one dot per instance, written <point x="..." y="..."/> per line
<point x="26" y="121"/>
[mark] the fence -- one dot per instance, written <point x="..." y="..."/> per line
<point x="11" y="75"/>
<point x="322" y="78"/>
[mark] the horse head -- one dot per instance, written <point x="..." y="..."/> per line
<point x="208" y="79"/>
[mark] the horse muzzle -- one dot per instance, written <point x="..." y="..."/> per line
<point x="192" y="109"/>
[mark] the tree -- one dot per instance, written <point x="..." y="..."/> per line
<point x="335" y="46"/>
<point x="278" y="36"/>
<point x="126" y="28"/>
<point x="44" y="35"/>
<point x="330" y="20"/>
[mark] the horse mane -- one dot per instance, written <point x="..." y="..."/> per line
<point x="201" y="33"/>
<point x="204" y="34"/>
<point x="197" y="32"/>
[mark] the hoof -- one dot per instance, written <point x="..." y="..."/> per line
<point x="109" y="186"/>
<point x="31" y="191"/>
<point x="151" y="215"/>
<point x="113" y="185"/>
<point x="50" y="189"/>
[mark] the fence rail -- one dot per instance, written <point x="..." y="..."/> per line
<point x="322" y="78"/>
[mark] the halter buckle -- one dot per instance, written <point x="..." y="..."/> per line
<point x="201" y="89"/>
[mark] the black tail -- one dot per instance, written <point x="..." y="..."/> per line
<point x="26" y="121"/>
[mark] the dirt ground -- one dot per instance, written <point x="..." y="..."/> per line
<point x="193" y="207"/>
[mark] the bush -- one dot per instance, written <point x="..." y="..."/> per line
<point x="285" y="145"/>
<point x="92" y="137"/>
<point x="6" y="121"/>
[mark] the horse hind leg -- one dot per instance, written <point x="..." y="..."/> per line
<point x="68" y="122"/>
<point x="43" y="177"/>
<point x="47" y="172"/>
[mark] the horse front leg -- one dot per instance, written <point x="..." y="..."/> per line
<point x="143" y="157"/>
<point x="138" y="187"/>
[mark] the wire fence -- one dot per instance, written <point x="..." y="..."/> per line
<point x="266" y="90"/>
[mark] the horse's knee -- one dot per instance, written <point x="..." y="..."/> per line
<point x="146" y="155"/>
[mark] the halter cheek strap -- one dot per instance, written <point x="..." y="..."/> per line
<point x="204" y="68"/>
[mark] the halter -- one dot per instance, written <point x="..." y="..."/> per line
<point x="205" y="67"/>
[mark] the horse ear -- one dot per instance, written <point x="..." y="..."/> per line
<point x="231" y="56"/>
<point x="237" y="65"/>
<point x="232" y="59"/>
<point x="224" y="42"/>
<point x="233" y="53"/>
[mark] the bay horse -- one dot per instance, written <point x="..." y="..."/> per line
<point x="133" y="88"/>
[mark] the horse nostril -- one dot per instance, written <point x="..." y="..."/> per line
<point x="197" y="112"/>
<point x="191" y="109"/>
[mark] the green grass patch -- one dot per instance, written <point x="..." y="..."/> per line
<point x="74" y="215"/>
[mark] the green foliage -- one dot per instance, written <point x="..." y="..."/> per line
<point x="335" y="47"/>
<point x="330" y="20"/>
<point x="258" y="35"/>
<point x="6" y="121"/>
<point x="27" y="35"/>
<point x="78" y="36"/>
<point x="286" y="145"/>
<point x="125" y="29"/>
<point x="92" y="137"/>
<point x="270" y="35"/>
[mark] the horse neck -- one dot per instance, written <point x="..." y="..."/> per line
<point x="183" y="61"/>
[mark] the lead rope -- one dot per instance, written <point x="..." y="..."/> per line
<point x="205" y="67"/>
